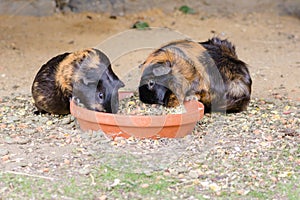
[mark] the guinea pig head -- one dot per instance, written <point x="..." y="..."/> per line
<point x="107" y="91"/>
<point x="98" y="89"/>
<point x="158" y="85"/>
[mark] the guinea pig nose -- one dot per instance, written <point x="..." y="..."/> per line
<point x="151" y="84"/>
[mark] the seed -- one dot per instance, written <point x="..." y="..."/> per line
<point x="133" y="106"/>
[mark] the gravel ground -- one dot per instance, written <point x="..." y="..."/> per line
<point x="249" y="155"/>
<point x="240" y="153"/>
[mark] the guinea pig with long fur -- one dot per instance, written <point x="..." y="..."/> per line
<point x="84" y="75"/>
<point x="207" y="71"/>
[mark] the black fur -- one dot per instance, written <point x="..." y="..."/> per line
<point x="84" y="75"/>
<point x="230" y="67"/>
<point x="56" y="102"/>
<point x="209" y="71"/>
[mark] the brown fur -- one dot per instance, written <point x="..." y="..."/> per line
<point x="65" y="72"/>
<point x="82" y="74"/>
<point x="209" y="72"/>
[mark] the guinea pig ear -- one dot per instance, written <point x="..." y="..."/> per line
<point x="168" y="64"/>
<point x="86" y="81"/>
<point x="141" y="65"/>
<point x="110" y="74"/>
<point x="120" y="84"/>
<point x="161" y="70"/>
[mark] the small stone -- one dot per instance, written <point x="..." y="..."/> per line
<point x="116" y="182"/>
<point x="218" y="193"/>
<point x="85" y="171"/>
<point x="274" y="179"/>
<point x="3" y="152"/>
<point x="148" y="172"/>
<point x="238" y="149"/>
<point x="46" y="170"/>
<point x="293" y="150"/>
<point x="285" y="174"/>
<point x="49" y="123"/>
<point x="182" y="169"/>
<point x="9" y="140"/>
<point x="166" y="173"/>
<point x="173" y="172"/>
<point x="291" y="158"/>
<point x="68" y="140"/>
<point x="66" y="121"/>
<point x="214" y="187"/>
<point x="181" y="176"/>
<point x="28" y="131"/>
<point x="23" y="140"/>
<point x="240" y="192"/>
<point x="103" y="197"/>
<point x="23" y="164"/>
<point x="287" y="112"/>
<point x="277" y="96"/>
<point x="42" y="120"/>
<point x="5" y="158"/>
<point x="204" y="184"/>
<point x="145" y="185"/>
<point x="193" y="174"/>
<point x="12" y="119"/>
<point x="67" y="162"/>
<point x="22" y="112"/>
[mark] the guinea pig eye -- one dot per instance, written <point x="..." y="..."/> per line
<point x="151" y="84"/>
<point x="101" y="95"/>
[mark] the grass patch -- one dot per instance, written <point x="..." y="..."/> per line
<point x="104" y="180"/>
<point x="118" y="184"/>
<point x="16" y="186"/>
<point x="290" y="190"/>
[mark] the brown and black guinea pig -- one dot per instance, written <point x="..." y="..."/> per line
<point x="207" y="71"/>
<point x="84" y="75"/>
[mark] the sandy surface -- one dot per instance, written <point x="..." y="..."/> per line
<point x="268" y="41"/>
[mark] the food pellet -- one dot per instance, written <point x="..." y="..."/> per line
<point x="133" y="106"/>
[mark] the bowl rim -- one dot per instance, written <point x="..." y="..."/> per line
<point x="190" y="116"/>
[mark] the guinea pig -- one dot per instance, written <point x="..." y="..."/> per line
<point x="209" y="72"/>
<point x="84" y="75"/>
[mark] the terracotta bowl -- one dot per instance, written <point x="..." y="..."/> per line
<point x="117" y="125"/>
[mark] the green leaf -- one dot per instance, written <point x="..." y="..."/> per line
<point x="186" y="9"/>
<point x="140" y="25"/>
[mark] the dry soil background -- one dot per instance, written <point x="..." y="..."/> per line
<point x="265" y="37"/>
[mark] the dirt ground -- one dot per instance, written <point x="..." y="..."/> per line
<point x="268" y="41"/>
<point x="248" y="153"/>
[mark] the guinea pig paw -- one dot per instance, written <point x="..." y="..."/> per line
<point x="191" y="98"/>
